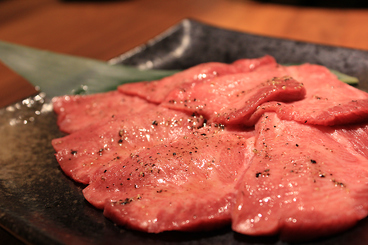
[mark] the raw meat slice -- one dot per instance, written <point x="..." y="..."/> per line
<point x="232" y="99"/>
<point x="156" y="91"/>
<point x="354" y="137"/>
<point x="328" y="101"/>
<point x="76" y="112"/>
<point x="186" y="185"/>
<point x="243" y="98"/>
<point x="83" y="152"/>
<point x="303" y="182"/>
<point x="301" y="173"/>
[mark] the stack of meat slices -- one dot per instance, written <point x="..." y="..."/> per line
<point x="266" y="148"/>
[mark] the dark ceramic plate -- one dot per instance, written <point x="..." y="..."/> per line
<point x="40" y="205"/>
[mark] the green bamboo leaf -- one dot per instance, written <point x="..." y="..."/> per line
<point x="345" y="78"/>
<point x="58" y="74"/>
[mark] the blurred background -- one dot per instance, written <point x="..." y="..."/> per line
<point x="104" y="29"/>
<point x="324" y="3"/>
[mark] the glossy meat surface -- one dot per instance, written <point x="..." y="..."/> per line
<point x="78" y="112"/>
<point x="83" y="152"/>
<point x="233" y="99"/>
<point x="303" y="182"/>
<point x="267" y="148"/>
<point x="157" y="91"/>
<point x="328" y="101"/>
<point x="186" y="184"/>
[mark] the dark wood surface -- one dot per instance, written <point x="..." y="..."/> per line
<point x="104" y="29"/>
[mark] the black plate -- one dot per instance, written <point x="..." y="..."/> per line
<point x="40" y="205"/>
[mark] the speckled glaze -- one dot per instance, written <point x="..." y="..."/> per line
<point x="40" y="205"/>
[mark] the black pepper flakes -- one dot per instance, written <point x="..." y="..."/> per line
<point x="126" y="201"/>
<point x="265" y="173"/>
<point x="337" y="183"/>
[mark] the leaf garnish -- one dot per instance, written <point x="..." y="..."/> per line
<point x="60" y="74"/>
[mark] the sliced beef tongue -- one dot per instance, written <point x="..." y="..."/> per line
<point x="83" y="152"/>
<point x="232" y="99"/>
<point x="272" y="149"/>
<point x="354" y="137"/>
<point x="76" y="112"/>
<point x="156" y="91"/>
<point x="306" y="93"/>
<point x="187" y="184"/>
<point x="303" y="182"/>
<point x="328" y="101"/>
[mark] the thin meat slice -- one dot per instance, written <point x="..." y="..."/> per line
<point x="76" y="112"/>
<point x="156" y="91"/>
<point x="184" y="185"/>
<point x="328" y="101"/>
<point x="82" y="153"/>
<point x="267" y="148"/>
<point x="303" y="182"/>
<point x="354" y="137"/>
<point x="232" y="99"/>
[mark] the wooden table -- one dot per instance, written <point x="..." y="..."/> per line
<point x="102" y="30"/>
